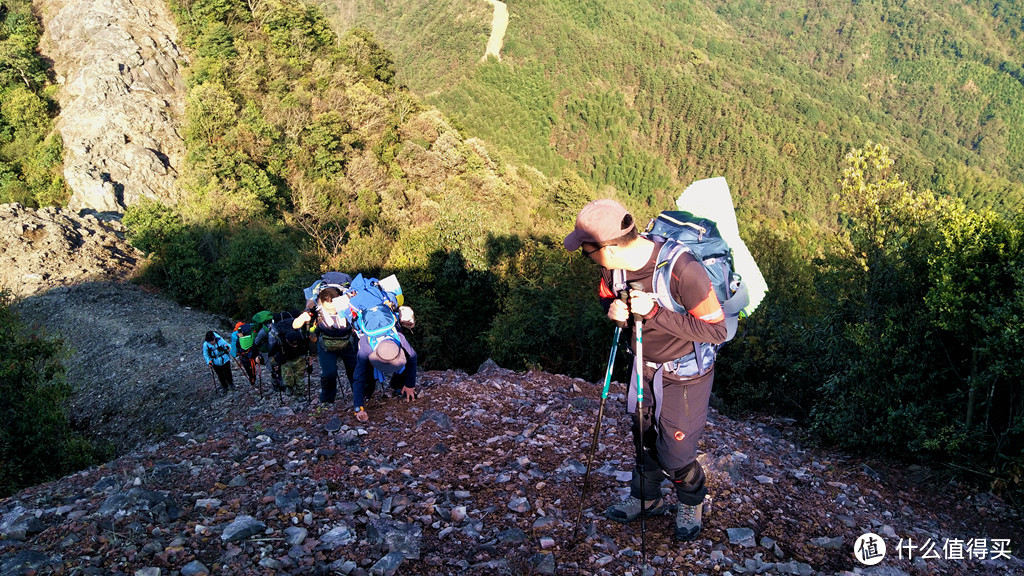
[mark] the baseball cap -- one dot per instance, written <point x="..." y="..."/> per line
<point x="598" y="222"/>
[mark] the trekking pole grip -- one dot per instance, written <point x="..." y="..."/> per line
<point x="624" y="296"/>
<point x="637" y="318"/>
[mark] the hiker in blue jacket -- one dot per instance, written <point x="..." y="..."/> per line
<point x="334" y="337"/>
<point x="392" y="361"/>
<point x="217" y="353"/>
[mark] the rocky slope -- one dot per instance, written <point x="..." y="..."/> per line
<point x="480" y="475"/>
<point x="42" y="249"/>
<point x="122" y="98"/>
<point x="136" y="365"/>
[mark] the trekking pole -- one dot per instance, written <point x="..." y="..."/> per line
<point x="597" y="429"/>
<point x="309" y="377"/>
<point x="242" y="368"/>
<point x="600" y="415"/>
<point x="638" y="322"/>
<point x="213" y="374"/>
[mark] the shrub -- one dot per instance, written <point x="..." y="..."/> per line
<point x="36" y="442"/>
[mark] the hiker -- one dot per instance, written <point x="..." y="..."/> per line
<point x="392" y="360"/>
<point x="383" y="353"/>
<point x="242" y="349"/>
<point x="675" y="397"/>
<point x="335" y="338"/>
<point x="217" y="353"/>
<point x="283" y="344"/>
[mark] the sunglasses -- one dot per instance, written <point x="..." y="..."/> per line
<point x="587" y="253"/>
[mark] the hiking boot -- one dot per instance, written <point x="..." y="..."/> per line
<point x="629" y="509"/>
<point x="688" y="521"/>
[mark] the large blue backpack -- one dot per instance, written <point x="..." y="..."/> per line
<point x="376" y="310"/>
<point x="683" y="232"/>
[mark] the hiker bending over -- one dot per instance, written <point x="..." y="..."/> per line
<point x="334" y="337"/>
<point x="217" y="353"/>
<point x="284" y="344"/>
<point x="675" y="394"/>
<point x="392" y="360"/>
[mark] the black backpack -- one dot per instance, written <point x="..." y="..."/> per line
<point x="282" y="332"/>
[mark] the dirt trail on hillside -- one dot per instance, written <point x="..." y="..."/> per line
<point x="136" y="364"/>
<point x="498" y="26"/>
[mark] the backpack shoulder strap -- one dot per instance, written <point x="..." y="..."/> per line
<point x="668" y="255"/>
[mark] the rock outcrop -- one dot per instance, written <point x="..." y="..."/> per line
<point x="122" y="98"/>
<point x="42" y="249"/>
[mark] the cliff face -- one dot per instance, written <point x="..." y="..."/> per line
<point x="122" y="98"/>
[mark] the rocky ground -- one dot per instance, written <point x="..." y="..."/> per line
<point x="43" y="249"/>
<point x="480" y="475"/>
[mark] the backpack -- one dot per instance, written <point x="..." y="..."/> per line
<point x="260" y="320"/>
<point x="245" y="335"/>
<point x="281" y="331"/>
<point x="376" y="310"/>
<point x="684" y="232"/>
<point x="338" y="280"/>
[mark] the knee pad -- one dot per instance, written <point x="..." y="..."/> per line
<point x="690" y="475"/>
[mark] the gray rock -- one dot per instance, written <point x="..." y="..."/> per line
<point x="543" y="563"/>
<point x="242" y="528"/>
<point x="828" y="543"/>
<point x="544" y="522"/>
<point x="194" y="568"/>
<point x="400" y="537"/>
<point x="388" y="565"/>
<point x="148" y="571"/>
<point x="121" y="100"/>
<point x="340" y="535"/>
<point x="288" y="502"/>
<point x="519" y="504"/>
<point x="741" y="536"/>
<point x="333" y="425"/>
<point x="343" y="567"/>
<point x="513" y="536"/>
<point x="488" y="366"/>
<point x="157" y="504"/>
<point x="272" y="563"/>
<point x="19" y="524"/>
<point x="106" y="483"/>
<point x="295" y="535"/>
<point x="25" y="561"/>
<point x="439" y="418"/>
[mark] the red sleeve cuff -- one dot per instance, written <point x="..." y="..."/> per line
<point x="653" y="311"/>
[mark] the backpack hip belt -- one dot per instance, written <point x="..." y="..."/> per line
<point x="690" y="366"/>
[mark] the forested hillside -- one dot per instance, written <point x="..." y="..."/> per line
<point x="30" y="154"/>
<point x="645" y="95"/>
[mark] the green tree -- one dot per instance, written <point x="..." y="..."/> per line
<point x="36" y="440"/>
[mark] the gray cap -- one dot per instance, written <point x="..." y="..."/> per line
<point x="598" y="222"/>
